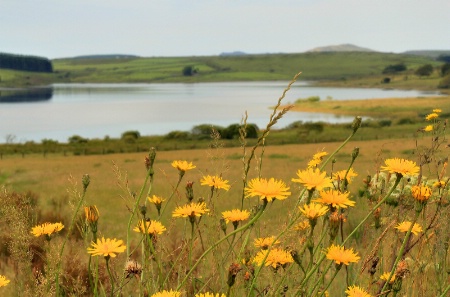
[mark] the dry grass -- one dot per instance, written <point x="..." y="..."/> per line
<point x="394" y="108"/>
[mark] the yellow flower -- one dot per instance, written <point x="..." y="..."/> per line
<point x="265" y="242"/>
<point x="401" y="166"/>
<point x="313" y="179"/>
<point x="165" y="293"/>
<point x="320" y="155"/>
<point x="215" y="181"/>
<point x="431" y="116"/>
<point x="3" y="281"/>
<point x="302" y="225"/>
<point x="335" y="198"/>
<point x="439" y="184"/>
<point x="267" y="189"/>
<point x="421" y="193"/>
<point x="313" y="210"/>
<point x="92" y="214"/>
<point x="340" y="255"/>
<point x="46" y="229"/>
<point x="275" y="258"/>
<point x="428" y="128"/>
<point x="340" y="175"/>
<point x="153" y="227"/>
<point x="190" y="210"/>
<point x="156" y="200"/>
<point x="235" y="215"/>
<point x="106" y="247"/>
<point x="183" y="165"/>
<point x="209" y="295"/>
<point x="314" y="163"/>
<point x="437" y="110"/>
<point x="355" y="291"/>
<point x="404" y="227"/>
<point x="385" y="277"/>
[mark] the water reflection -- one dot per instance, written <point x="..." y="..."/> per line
<point x="26" y="95"/>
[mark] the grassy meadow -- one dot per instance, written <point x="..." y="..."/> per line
<point x="195" y="256"/>
<point x="360" y="69"/>
<point x="358" y="209"/>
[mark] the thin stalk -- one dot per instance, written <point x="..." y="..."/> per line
<point x="213" y="246"/>
<point x="110" y="276"/>
<point x="402" y="248"/>
<point x="331" y="280"/>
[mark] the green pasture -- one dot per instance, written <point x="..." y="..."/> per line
<point x="346" y="68"/>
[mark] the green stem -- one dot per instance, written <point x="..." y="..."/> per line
<point x="445" y="291"/>
<point x="72" y="223"/>
<point x="331" y="280"/>
<point x="213" y="246"/>
<point x="171" y="195"/>
<point x="402" y="248"/>
<point x="110" y="275"/>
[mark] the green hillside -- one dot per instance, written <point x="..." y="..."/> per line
<point x="335" y="66"/>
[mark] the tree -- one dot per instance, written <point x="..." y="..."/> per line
<point x="445" y="69"/>
<point x="189" y="70"/>
<point x="394" y="68"/>
<point x="425" y="70"/>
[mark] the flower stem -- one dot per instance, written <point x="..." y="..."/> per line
<point x="110" y="276"/>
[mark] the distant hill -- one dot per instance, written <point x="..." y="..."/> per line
<point x="341" y="48"/>
<point x="236" y="53"/>
<point x="111" y="56"/>
<point x="428" y="53"/>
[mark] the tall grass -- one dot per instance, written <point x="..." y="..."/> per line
<point x="294" y="241"/>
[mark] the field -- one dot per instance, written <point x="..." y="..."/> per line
<point x="346" y="68"/>
<point x="55" y="183"/>
<point x="310" y="210"/>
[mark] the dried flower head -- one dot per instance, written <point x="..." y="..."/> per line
<point x="215" y="181"/>
<point x="267" y="189"/>
<point x="132" y="268"/>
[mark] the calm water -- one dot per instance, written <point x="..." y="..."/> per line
<point x="97" y="110"/>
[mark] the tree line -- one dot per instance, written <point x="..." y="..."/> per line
<point x="25" y="63"/>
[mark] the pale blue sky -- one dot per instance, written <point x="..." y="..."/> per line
<point x="65" y="28"/>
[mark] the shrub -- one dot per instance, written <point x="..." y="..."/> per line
<point x="394" y="68"/>
<point x="444" y="83"/>
<point x="178" y="135"/>
<point x="75" y="139"/>
<point x="425" y="70"/>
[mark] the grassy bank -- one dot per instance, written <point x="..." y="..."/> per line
<point x="340" y="67"/>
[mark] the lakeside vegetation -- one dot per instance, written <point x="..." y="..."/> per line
<point x="363" y="69"/>
<point x="251" y="220"/>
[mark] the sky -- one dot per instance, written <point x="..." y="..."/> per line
<point x="151" y="28"/>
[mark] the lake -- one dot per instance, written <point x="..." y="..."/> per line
<point x="98" y="110"/>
